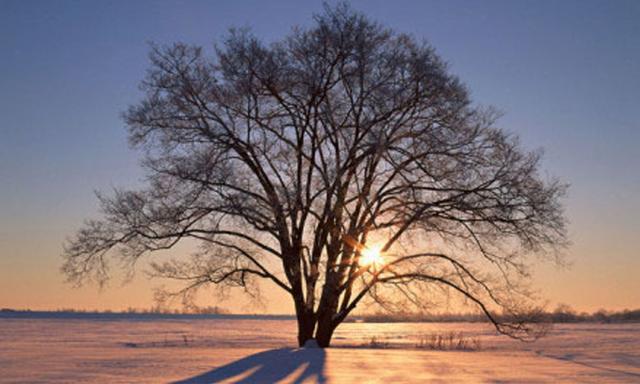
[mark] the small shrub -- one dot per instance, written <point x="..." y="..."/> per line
<point x="452" y="341"/>
<point x="375" y="343"/>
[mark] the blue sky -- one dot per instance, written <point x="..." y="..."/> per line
<point x="566" y="74"/>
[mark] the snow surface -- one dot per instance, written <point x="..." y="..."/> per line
<point x="151" y="350"/>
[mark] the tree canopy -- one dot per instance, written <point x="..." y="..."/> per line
<point x="289" y="161"/>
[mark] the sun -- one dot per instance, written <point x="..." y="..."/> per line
<point x="371" y="256"/>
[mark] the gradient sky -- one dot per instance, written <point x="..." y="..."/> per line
<point x="566" y="74"/>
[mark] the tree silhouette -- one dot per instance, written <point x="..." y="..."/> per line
<point x="289" y="161"/>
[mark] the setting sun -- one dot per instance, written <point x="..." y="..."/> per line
<point x="371" y="256"/>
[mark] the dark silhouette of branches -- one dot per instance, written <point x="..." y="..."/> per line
<point x="287" y="160"/>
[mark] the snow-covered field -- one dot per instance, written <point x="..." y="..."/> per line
<point x="135" y="350"/>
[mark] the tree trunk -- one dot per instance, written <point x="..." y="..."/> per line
<point x="327" y="309"/>
<point x="325" y="332"/>
<point x="326" y="322"/>
<point x="306" y="326"/>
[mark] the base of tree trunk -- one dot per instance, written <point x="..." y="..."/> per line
<point x="323" y="336"/>
<point x="311" y="343"/>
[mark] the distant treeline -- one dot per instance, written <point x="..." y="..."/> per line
<point x="134" y="315"/>
<point x="139" y="311"/>
<point x="563" y="314"/>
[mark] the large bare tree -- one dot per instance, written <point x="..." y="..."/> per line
<point x="342" y="163"/>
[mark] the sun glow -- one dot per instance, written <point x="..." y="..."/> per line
<point x="371" y="257"/>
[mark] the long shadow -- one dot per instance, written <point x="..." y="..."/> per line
<point x="269" y="366"/>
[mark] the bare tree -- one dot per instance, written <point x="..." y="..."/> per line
<point x="341" y="163"/>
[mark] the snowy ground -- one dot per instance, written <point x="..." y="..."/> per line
<point x="254" y="351"/>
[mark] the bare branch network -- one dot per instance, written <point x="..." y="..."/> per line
<point x="287" y="161"/>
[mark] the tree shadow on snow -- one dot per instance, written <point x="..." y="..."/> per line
<point x="295" y="365"/>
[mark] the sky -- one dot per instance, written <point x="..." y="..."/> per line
<point x="566" y="74"/>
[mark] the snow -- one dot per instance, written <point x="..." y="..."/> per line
<point x="252" y="351"/>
